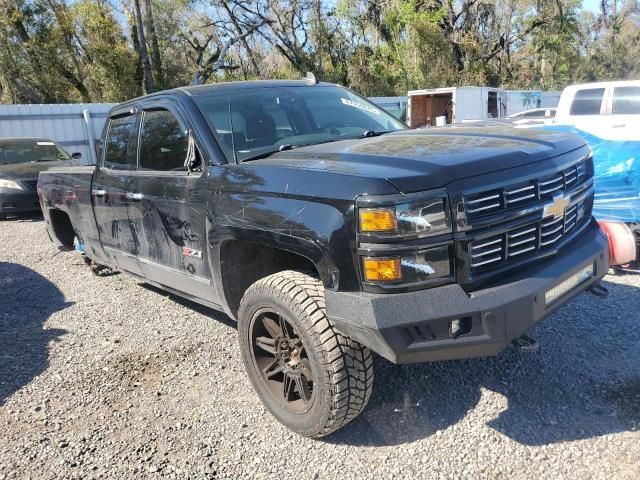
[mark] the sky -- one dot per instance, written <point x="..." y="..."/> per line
<point x="591" y="5"/>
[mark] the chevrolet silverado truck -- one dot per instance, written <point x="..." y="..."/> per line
<point x="329" y="230"/>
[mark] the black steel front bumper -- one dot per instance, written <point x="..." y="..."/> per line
<point x="12" y="200"/>
<point x="416" y="326"/>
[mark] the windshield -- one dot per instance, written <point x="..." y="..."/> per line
<point x="25" y="151"/>
<point x="263" y="120"/>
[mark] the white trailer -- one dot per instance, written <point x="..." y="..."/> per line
<point x="439" y="106"/>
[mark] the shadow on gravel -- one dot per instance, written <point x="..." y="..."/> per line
<point x="27" y="299"/>
<point x="584" y="382"/>
<point x="24" y="217"/>
<point x="209" y="312"/>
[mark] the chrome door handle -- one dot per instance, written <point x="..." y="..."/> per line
<point x="98" y="193"/>
<point x="135" y="196"/>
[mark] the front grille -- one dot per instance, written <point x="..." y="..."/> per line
<point x="527" y="240"/>
<point x="32" y="184"/>
<point x="524" y="194"/>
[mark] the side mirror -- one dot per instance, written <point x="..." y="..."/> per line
<point x="193" y="161"/>
<point x="76" y="155"/>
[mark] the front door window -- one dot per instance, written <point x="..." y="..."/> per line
<point x="163" y="142"/>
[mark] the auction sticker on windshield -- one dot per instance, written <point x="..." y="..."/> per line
<point x="359" y="105"/>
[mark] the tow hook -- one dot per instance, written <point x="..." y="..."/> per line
<point x="599" y="290"/>
<point x="525" y="343"/>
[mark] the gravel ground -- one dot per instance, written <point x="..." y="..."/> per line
<point x="101" y="377"/>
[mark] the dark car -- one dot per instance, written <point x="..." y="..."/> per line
<point x="328" y="230"/>
<point x="21" y="160"/>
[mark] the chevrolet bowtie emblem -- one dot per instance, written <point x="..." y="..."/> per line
<point x="557" y="207"/>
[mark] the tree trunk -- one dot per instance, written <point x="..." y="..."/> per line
<point x="250" y="54"/>
<point x="136" y="46"/>
<point x="215" y="62"/>
<point x="14" y="89"/>
<point x="147" y="82"/>
<point x="156" y="58"/>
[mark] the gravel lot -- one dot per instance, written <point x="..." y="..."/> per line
<point x="101" y="377"/>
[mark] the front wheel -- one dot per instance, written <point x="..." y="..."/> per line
<point x="310" y="377"/>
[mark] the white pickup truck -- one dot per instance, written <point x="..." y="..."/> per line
<point x="609" y="110"/>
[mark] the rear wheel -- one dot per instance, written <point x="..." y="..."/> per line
<point x="312" y="379"/>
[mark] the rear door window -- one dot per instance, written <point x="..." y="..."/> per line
<point x="626" y="101"/>
<point x="117" y="155"/>
<point x="163" y="142"/>
<point x="587" y="102"/>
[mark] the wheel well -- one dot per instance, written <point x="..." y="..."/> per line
<point x="243" y="263"/>
<point x="62" y="227"/>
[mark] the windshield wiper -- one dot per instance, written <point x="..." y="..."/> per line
<point x="268" y="153"/>
<point x="287" y="146"/>
<point x="373" y="133"/>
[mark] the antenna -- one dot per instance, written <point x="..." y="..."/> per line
<point x="310" y="78"/>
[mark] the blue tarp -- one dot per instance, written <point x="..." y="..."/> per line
<point x="617" y="176"/>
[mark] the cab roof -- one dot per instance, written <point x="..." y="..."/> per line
<point x="214" y="88"/>
<point x="195" y="90"/>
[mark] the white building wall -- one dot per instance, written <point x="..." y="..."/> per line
<point x="65" y="124"/>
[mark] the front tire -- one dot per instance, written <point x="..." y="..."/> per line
<point x="312" y="379"/>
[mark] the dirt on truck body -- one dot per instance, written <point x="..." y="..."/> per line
<point x="328" y="230"/>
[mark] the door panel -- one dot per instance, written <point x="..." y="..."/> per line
<point x="109" y="189"/>
<point x="173" y="213"/>
<point x="171" y="207"/>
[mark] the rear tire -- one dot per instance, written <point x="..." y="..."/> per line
<point x="312" y="379"/>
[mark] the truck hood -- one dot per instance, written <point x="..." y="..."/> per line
<point x="417" y="160"/>
<point x="29" y="170"/>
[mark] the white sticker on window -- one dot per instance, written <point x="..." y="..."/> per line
<point x="361" y="106"/>
<point x="45" y="143"/>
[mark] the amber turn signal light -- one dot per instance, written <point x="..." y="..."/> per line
<point x="378" y="220"/>
<point x="382" y="269"/>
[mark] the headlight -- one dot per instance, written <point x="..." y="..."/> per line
<point x="419" y="218"/>
<point x="10" y="184"/>
<point x="420" y="266"/>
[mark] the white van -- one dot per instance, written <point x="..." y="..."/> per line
<point x="609" y="110"/>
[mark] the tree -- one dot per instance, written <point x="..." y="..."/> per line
<point x="53" y="51"/>
<point x="156" y="57"/>
<point x="87" y="50"/>
<point x="141" y="45"/>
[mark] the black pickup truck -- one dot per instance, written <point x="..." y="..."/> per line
<point x="328" y="230"/>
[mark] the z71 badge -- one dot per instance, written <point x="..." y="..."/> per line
<point x="190" y="252"/>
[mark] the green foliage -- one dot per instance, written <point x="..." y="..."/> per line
<point x="54" y="52"/>
<point x="109" y="62"/>
<point x="88" y="50"/>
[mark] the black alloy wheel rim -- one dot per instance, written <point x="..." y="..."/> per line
<point x="281" y="360"/>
